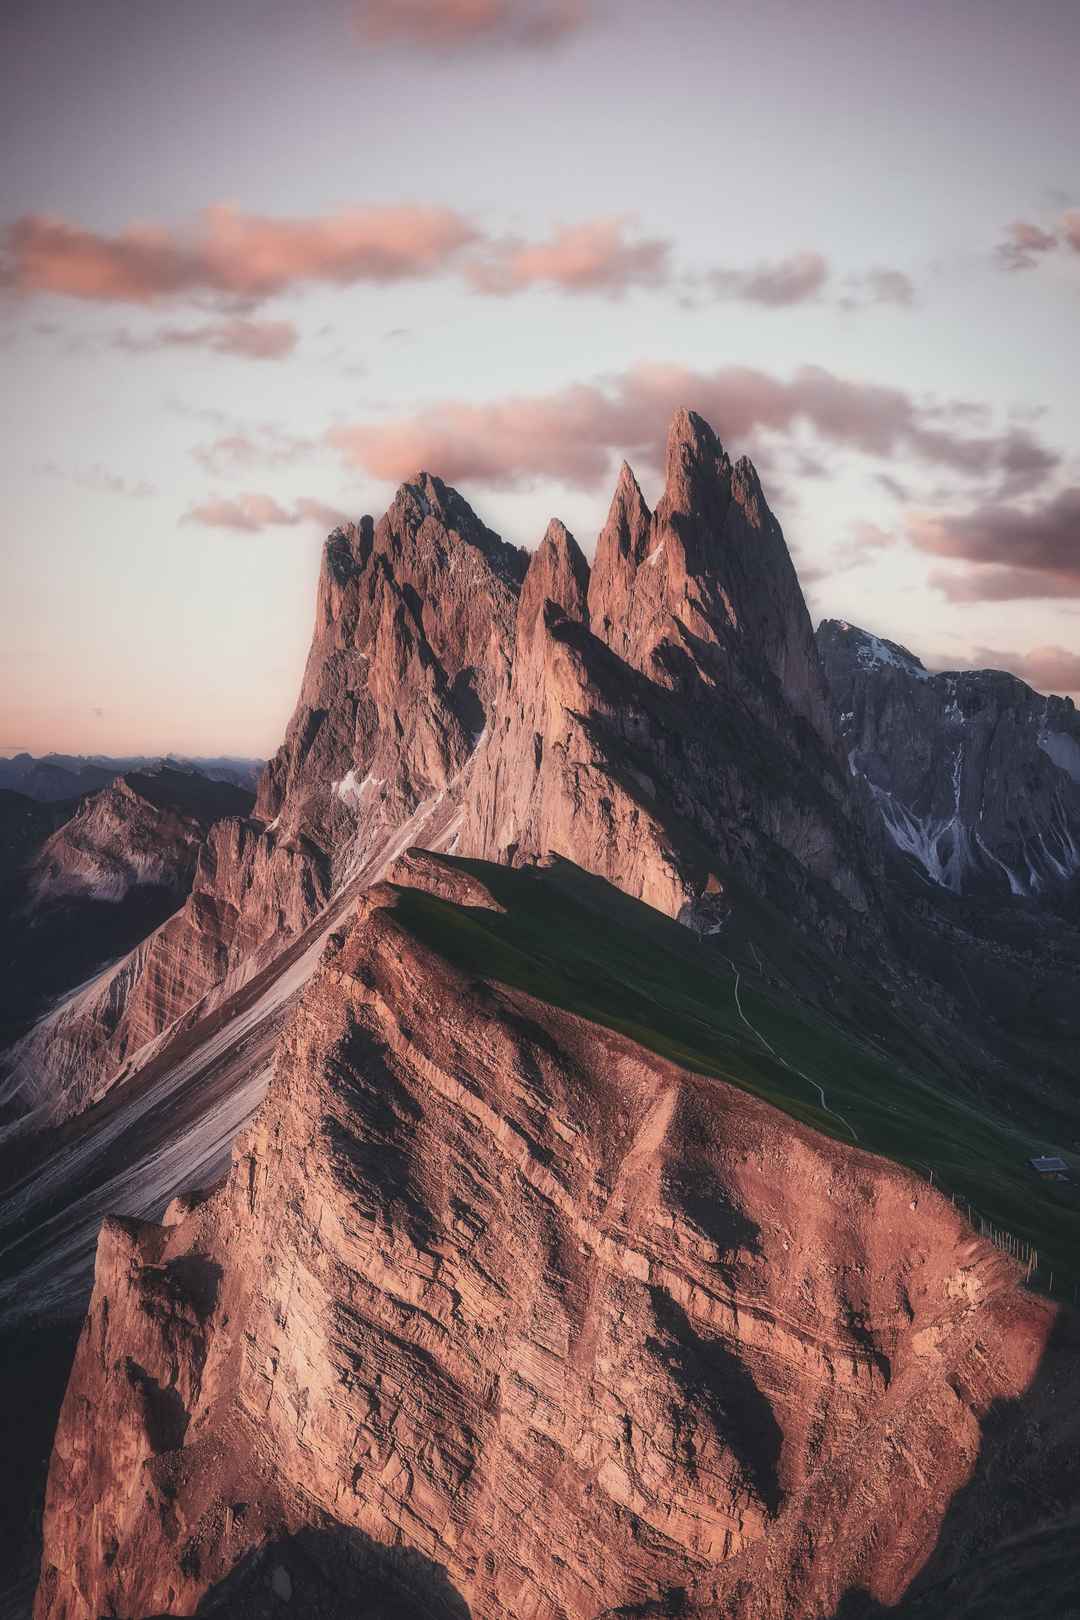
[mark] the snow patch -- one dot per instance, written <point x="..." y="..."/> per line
<point x="874" y="653"/>
<point x="350" y="791"/>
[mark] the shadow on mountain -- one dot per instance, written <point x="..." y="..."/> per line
<point x="1009" y="1544"/>
<point x="714" y="1380"/>
<point x="333" y="1572"/>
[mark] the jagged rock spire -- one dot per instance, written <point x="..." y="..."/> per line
<point x="558" y="573"/>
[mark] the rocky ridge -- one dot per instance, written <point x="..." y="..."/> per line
<point x="973" y="776"/>
<point x="87" y="879"/>
<point x="659" y="720"/>
<point x="498" y="1314"/>
<point x="512" y="1301"/>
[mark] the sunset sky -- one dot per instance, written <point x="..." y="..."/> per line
<point x="261" y="261"/>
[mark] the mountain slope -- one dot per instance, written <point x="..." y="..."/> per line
<point x="975" y="777"/>
<point x="663" y="722"/>
<point x="500" y="1312"/>
<point x="88" y="879"/>
<point x="559" y="1273"/>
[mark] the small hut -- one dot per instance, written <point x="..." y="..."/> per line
<point x="1050" y="1166"/>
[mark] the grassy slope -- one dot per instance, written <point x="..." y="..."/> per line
<point x="575" y="943"/>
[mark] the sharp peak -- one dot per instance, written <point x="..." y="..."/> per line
<point x="689" y="430"/>
<point x="627" y="479"/>
<point x="558" y="545"/>
<point x="628" y="507"/>
<point x="559" y="537"/>
<point x="694" y="456"/>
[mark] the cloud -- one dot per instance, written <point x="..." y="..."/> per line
<point x="447" y="25"/>
<point x="1024" y="245"/>
<point x="247" y="339"/>
<point x="893" y="486"/>
<point x="885" y="286"/>
<point x="1048" y="669"/>
<point x="594" y="256"/>
<point x="1010" y="553"/>
<point x="879" y="285"/>
<point x="261" y="446"/>
<point x="866" y="540"/>
<point x="99" y="479"/>
<point x="252" y="512"/>
<point x="777" y="284"/>
<point x="228" y="253"/>
<point x="573" y="434"/>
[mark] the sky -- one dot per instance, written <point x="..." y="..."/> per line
<point x="261" y="262"/>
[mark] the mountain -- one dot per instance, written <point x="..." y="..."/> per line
<point x="666" y="716"/>
<point x="501" y="1311"/>
<point x="55" y="777"/>
<point x="661" y="722"/>
<point x="25" y="825"/>
<point x="143" y="830"/>
<point x="632" y="1204"/>
<point x="975" y="777"/>
<point x="87" y="879"/>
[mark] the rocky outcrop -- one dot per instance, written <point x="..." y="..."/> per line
<point x="89" y="879"/>
<point x="973" y="776"/>
<point x="666" y="718"/>
<point x="661" y="721"/>
<point x="143" y="831"/>
<point x="413" y="635"/>
<point x="498" y="1313"/>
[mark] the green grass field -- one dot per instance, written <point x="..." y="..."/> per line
<point x="573" y="942"/>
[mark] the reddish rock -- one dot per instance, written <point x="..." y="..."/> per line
<point x="497" y="1313"/>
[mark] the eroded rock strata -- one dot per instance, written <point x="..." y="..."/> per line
<point x="513" y="1303"/>
<point x="499" y="1314"/>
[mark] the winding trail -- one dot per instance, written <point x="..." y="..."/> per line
<point x="789" y="1066"/>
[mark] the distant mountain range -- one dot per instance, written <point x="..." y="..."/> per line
<point x="50" y="777"/>
<point x="564" y="1149"/>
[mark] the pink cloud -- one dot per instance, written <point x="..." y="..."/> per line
<point x="572" y="434"/>
<point x="1048" y="669"/>
<point x="867" y="539"/>
<point x="455" y="24"/>
<point x="229" y="253"/>
<point x="1010" y="553"/>
<point x="594" y="256"/>
<point x="1070" y="228"/>
<point x="241" y="448"/>
<point x="785" y="281"/>
<point x="252" y="512"/>
<point x="250" y="340"/>
<point x="1026" y="243"/>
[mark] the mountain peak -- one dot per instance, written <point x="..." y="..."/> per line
<point x="558" y="573"/>
<point x="694" y="454"/>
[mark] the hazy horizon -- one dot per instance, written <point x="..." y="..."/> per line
<point x="257" y="265"/>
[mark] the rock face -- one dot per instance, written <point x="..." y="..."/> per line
<point x="507" y="1309"/>
<point x="667" y="717"/>
<point x="143" y="831"/>
<point x="86" y="880"/>
<point x="497" y="1313"/>
<point x="975" y="777"/>
<point x="413" y="634"/>
<point x="662" y="722"/>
